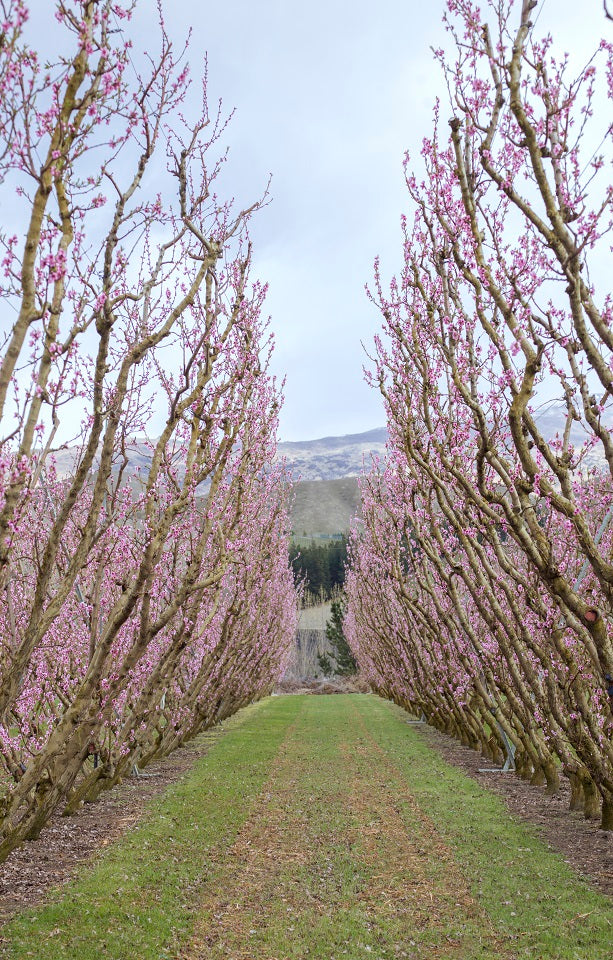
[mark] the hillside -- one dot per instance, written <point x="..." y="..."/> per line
<point x="324" y="501"/>
<point x="331" y="458"/>
<point x="324" y="506"/>
<point x="326" y="458"/>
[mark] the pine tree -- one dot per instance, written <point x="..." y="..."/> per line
<point x="346" y="665"/>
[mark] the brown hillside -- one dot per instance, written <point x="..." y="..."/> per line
<point x="324" y="506"/>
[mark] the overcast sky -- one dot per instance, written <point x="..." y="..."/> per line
<point x="328" y="96"/>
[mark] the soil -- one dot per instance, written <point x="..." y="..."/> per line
<point x="284" y="872"/>
<point x="34" y="869"/>
<point x="582" y="844"/>
<point x="405" y="885"/>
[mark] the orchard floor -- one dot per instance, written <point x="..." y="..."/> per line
<point x="319" y="827"/>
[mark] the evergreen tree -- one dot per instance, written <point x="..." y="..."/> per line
<point x="325" y="664"/>
<point x="345" y="663"/>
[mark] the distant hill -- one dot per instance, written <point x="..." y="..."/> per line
<point x="328" y="458"/>
<point x="324" y="506"/>
<point x="327" y="508"/>
<point x="551" y="420"/>
<point x="325" y="472"/>
<point x="332" y="458"/>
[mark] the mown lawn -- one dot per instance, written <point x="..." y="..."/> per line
<point x="322" y="827"/>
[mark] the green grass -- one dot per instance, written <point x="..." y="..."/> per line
<point x="138" y="901"/>
<point x="307" y="831"/>
<point x="527" y="890"/>
<point x="327" y="795"/>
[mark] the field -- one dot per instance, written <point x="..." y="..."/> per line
<point x="322" y="827"/>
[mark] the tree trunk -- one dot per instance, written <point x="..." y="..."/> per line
<point x="552" y="777"/>
<point x="591" y="809"/>
<point x="577" y="798"/>
<point x="606" y="822"/>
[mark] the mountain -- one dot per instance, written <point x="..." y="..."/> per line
<point x="551" y="421"/>
<point x="325" y="471"/>
<point x="325" y="496"/>
<point x="334" y="458"/>
<point x="328" y="458"/>
<point x="66" y="459"/>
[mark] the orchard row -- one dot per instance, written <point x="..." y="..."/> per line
<point x="481" y="582"/>
<point x="140" y="604"/>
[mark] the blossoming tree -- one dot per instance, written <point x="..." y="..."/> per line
<point x="133" y="600"/>
<point x="501" y="573"/>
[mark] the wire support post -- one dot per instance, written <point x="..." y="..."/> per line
<point x="421" y="720"/>
<point x="509" y="761"/>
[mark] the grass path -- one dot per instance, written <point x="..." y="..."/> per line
<point x="322" y="827"/>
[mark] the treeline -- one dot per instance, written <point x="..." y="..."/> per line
<point x="320" y="566"/>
